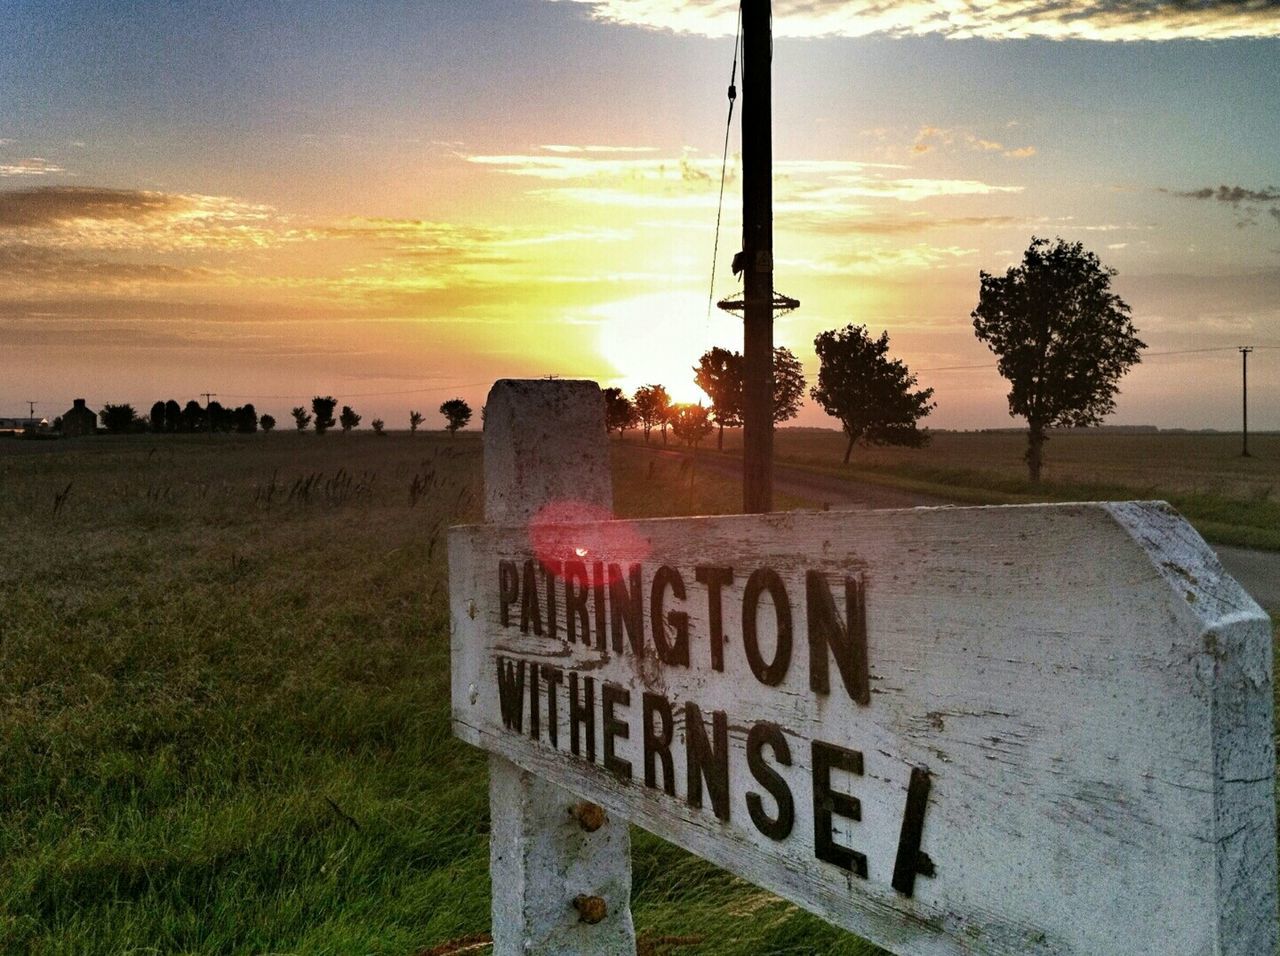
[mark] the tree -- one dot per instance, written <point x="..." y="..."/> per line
<point x="788" y="385"/>
<point x="267" y="422"/>
<point x="348" y="418"/>
<point x="691" y="423"/>
<point x="157" y="417"/>
<point x="619" y="413"/>
<point x="457" y="413"/>
<point x="323" y="408"/>
<point x="1063" y="339"/>
<point x="172" y="416"/>
<point x="300" y="418"/>
<point x="119" y="419"/>
<point x="193" y="417"/>
<point x="719" y="374"/>
<point x="378" y="426"/>
<point x="221" y="418"/>
<point x="415" y="419"/>
<point x="651" y="404"/>
<point x="246" y="419"/>
<point x="870" y="393"/>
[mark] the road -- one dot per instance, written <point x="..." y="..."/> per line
<point x="1257" y="571"/>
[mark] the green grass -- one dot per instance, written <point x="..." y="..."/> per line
<point x="224" y="713"/>
<point x="1230" y="500"/>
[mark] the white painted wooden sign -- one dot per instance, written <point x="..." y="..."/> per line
<point x="1042" y="729"/>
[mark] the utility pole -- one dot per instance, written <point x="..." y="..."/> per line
<point x="208" y="416"/>
<point x="31" y="409"/>
<point x="1244" y="369"/>
<point x="757" y="257"/>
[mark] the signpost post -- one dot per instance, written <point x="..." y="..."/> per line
<point x="1039" y="729"/>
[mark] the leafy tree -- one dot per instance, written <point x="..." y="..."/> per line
<point x="870" y="393"/>
<point x="119" y="419"/>
<point x="719" y="374"/>
<point x="221" y="419"/>
<point x="246" y="419"/>
<point x="691" y="423"/>
<point x="651" y="404"/>
<point x="457" y="413"/>
<point x="57" y="424"/>
<point x="415" y="419"/>
<point x="323" y="408"/>
<point x="348" y="418"/>
<point x="267" y="422"/>
<point x="157" y="417"/>
<point x="619" y="413"/>
<point x="378" y="426"/>
<point x="193" y="417"/>
<point x="1063" y="338"/>
<point x="301" y="418"/>
<point x="788" y="385"/>
<point x="172" y="416"/>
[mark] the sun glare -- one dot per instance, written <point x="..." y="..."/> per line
<point x="656" y="340"/>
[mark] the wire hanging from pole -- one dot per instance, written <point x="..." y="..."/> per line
<point x="724" y="165"/>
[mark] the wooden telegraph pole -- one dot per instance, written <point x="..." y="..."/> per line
<point x="757" y="258"/>
<point x="1244" y="372"/>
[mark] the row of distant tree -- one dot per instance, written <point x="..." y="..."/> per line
<point x="1062" y="339"/>
<point x="171" y="418"/>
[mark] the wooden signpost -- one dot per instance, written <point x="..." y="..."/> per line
<point x="1041" y="729"/>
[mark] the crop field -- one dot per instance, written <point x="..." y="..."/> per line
<point x="1230" y="499"/>
<point x="224" y="705"/>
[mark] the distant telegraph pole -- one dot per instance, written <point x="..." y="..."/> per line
<point x="1244" y="370"/>
<point x="31" y="409"/>
<point x="208" y="410"/>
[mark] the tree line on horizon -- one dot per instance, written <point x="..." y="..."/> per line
<point x="1062" y="339"/>
<point x="168" y="417"/>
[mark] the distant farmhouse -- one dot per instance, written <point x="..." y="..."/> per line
<point x="79" y="420"/>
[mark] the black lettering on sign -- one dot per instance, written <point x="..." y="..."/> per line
<point x="626" y="607"/>
<point x="554" y="677"/>
<point x="511" y="693"/>
<point x="508" y="590"/>
<point x="575" y="603"/>
<point x="705" y="761"/>
<point x="715" y="579"/>
<point x="612" y="727"/>
<point x="676" y="654"/>
<point x="535" y="705"/>
<point x="761" y="580"/>
<point x="551" y="570"/>
<point x="848" y="641"/>
<point x="530" y="609"/>
<point x="779" y="827"/>
<point x="582" y="714"/>
<point x="657" y="744"/>
<point x="911" y="861"/>
<point x="597" y="588"/>
<point x="827" y="803"/>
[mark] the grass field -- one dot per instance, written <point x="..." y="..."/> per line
<point x="1230" y="499"/>
<point x="224" y="705"/>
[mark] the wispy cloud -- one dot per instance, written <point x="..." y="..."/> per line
<point x="32" y="166"/>
<point x="93" y="217"/>
<point x="1107" y="20"/>
<point x="57" y="270"/>
<point x="931" y="138"/>
<point x="1246" y="203"/>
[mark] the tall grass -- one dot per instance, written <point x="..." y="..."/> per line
<point x="224" y="705"/>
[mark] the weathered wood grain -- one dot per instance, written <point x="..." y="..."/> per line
<point x="1088" y="693"/>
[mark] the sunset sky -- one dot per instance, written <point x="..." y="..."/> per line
<point x="396" y="203"/>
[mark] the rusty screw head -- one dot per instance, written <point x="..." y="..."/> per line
<point x="590" y="816"/>
<point x="591" y="909"/>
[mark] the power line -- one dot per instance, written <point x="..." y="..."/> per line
<point x="1146" y="355"/>
<point x="724" y="165"/>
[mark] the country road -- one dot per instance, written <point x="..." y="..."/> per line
<point x="1257" y="571"/>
